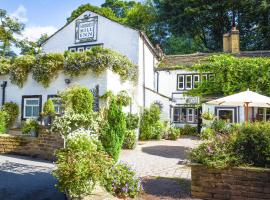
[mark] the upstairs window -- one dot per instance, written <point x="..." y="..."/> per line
<point x="180" y="82"/>
<point x="188" y="82"/>
<point x="196" y="81"/>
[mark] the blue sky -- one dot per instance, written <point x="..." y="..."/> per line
<point x="42" y="16"/>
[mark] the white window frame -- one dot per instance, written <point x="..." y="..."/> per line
<point x="194" y="82"/>
<point x="210" y="76"/>
<point x="188" y="115"/>
<point x="72" y="50"/>
<point x="80" y="48"/>
<point x="191" y="83"/>
<point x="204" y="77"/>
<point x="24" y="107"/>
<point x="178" y="82"/>
<point x="231" y="109"/>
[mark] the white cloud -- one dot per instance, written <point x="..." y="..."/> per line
<point x="33" y="33"/>
<point x="20" y="14"/>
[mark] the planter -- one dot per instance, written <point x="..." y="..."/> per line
<point x="230" y="183"/>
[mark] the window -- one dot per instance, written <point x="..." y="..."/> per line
<point x="31" y="106"/>
<point x="196" y="81"/>
<point x="81" y="49"/>
<point x="180" y="82"/>
<point x="210" y="77"/>
<point x="190" y="115"/>
<point x="188" y="82"/>
<point x="72" y="50"/>
<point x="56" y="103"/>
<point x="226" y="114"/>
<point x="185" y="115"/>
<point x="204" y="77"/>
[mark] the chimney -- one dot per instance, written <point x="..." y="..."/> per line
<point x="231" y="41"/>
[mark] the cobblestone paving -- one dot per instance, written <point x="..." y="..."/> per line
<point x="163" y="158"/>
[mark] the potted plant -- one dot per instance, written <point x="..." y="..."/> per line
<point x="30" y="127"/>
<point x="207" y="117"/>
<point x="48" y="112"/>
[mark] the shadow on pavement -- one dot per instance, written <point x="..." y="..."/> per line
<point x="166" y="188"/>
<point x="27" y="182"/>
<point x="167" y="151"/>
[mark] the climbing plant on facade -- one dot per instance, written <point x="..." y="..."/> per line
<point x="232" y="74"/>
<point x="4" y="65"/>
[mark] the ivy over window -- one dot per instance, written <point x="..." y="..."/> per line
<point x="46" y="67"/>
<point x="233" y="74"/>
<point x="20" y="69"/>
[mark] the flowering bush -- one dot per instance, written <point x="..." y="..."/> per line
<point x="123" y="182"/>
<point x="173" y="133"/>
<point x="207" y="116"/>
<point x="130" y="140"/>
<point x="82" y="164"/>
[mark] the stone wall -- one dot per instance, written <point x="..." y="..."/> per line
<point x="230" y="184"/>
<point x="42" y="146"/>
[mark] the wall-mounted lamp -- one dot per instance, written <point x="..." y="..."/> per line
<point x="67" y="81"/>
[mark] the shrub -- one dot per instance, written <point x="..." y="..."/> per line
<point x="189" y="130"/>
<point x="12" y="111"/>
<point x="207" y="116"/>
<point x="150" y="125"/>
<point x="253" y="144"/>
<point x="173" y="133"/>
<point x="132" y="121"/>
<point x="71" y="121"/>
<point x="79" y="99"/>
<point x="81" y="164"/>
<point x="30" y="125"/>
<point x="216" y="153"/>
<point x="113" y="136"/>
<point x="3" y="121"/>
<point x="130" y="140"/>
<point x="207" y="134"/>
<point x="122" y="181"/>
<point x="123" y="98"/>
<point x="220" y="126"/>
<point x="48" y="108"/>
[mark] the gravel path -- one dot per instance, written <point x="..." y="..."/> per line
<point x="22" y="178"/>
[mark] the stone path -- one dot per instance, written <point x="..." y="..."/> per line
<point x="163" y="158"/>
<point x="27" y="179"/>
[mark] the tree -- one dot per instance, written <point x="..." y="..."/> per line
<point x="8" y="28"/>
<point x="31" y="48"/>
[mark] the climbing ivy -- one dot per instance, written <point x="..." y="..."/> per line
<point x="233" y="74"/>
<point x="20" y="69"/>
<point x="46" y="67"/>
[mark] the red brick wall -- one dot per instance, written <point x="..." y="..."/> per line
<point x="230" y="184"/>
<point x="42" y="146"/>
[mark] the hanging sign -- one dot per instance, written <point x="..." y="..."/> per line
<point x="86" y="29"/>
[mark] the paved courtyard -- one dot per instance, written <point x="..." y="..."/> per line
<point x="27" y="179"/>
<point x="163" y="158"/>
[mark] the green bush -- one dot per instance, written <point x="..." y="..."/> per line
<point x="79" y="99"/>
<point x="71" y="121"/>
<point x="30" y="125"/>
<point x="113" y="136"/>
<point x="82" y="164"/>
<point x="220" y="126"/>
<point x="189" y="130"/>
<point x="12" y="111"/>
<point x="48" y="108"/>
<point x="132" y="121"/>
<point x="150" y="124"/>
<point x="130" y="140"/>
<point x="173" y="133"/>
<point x="122" y="181"/>
<point x="207" y="134"/>
<point x="216" y="153"/>
<point x="253" y="144"/>
<point x="3" y="121"/>
<point x="123" y="98"/>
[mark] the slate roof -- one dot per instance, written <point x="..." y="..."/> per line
<point x="174" y="62"/>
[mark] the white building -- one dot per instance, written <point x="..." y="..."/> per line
<point x="160" y="80"/>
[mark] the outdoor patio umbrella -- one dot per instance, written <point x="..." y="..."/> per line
<point x="246" y="99"/>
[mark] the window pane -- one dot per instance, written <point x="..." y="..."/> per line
<point x="180" y="82"/>
<point x="35" y="111"/>
<point x="226" y="115"/>
<point x="188" y="81"/>
<point x="176" y="114"/>
<point x="32" y="102"/>
<point x="28" y="111"/>
<point x="183" y="115"/>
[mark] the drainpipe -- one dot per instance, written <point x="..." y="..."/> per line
<point x="143" y="75"/>
<point x="3" y="86"/>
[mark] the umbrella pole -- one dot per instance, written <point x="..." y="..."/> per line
<point x="246" y="111"/>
